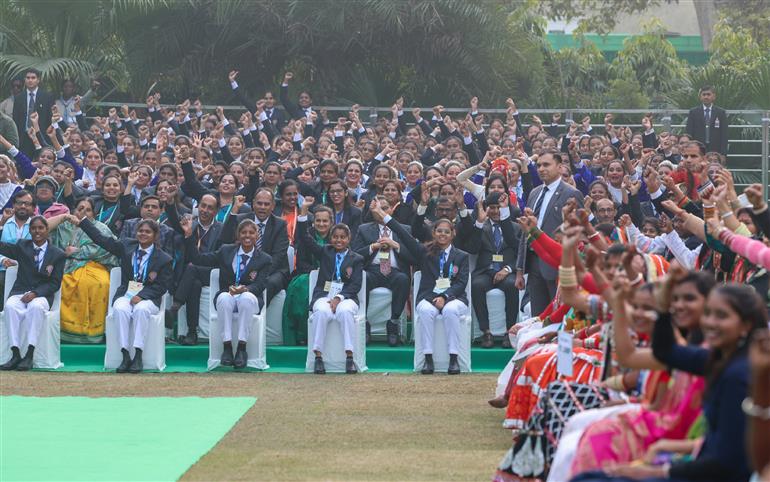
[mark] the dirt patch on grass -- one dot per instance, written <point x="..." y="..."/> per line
<point x="306" y="427"/>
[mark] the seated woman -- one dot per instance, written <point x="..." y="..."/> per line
<point x="41" y="266"/>
<point x="86" y="282"/>
<point x="335" y="296"/>
<point x="445" y="273"/>
<point x="146" y="274"/>
<point x="297" y="295"/>
<point x="236" y="262"/>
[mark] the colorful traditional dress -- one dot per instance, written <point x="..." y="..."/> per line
<point x="86" y="284"/>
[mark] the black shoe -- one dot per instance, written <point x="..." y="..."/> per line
<point x="26" y="362"/>
<point x="506" y="341"/>
<point x="454" y="366"/>
<point x="427" y="368"/>
<point x="136" y="363"/>
<point x="14" y="361"/>
<point x="487" y="341"/>
<point x="240" y="356"/>
<point x="190" y="339"/>
<point x="171" y="318"/>
<point x="392" y="328"/>
<point x="126" y="363"/>
<point x="368" y="333"/>
<point x="227" y="355"/>
<point x="350" y="366"/>
<point x="319" y="368"/>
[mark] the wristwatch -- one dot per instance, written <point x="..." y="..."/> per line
<point x="753" y="410"/>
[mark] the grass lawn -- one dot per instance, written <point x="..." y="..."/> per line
<point x="333" y="427"/>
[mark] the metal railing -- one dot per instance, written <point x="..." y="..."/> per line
<point x="748" y="151"/>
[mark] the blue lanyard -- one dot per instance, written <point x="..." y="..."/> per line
<point x="237" y="270"/>
<point x="338" y="265"/>
<point x="137" y="266"/>
<point x="441" y="263"/>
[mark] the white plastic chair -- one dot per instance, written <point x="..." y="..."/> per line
<point x="48" y="349"/>
<point x="378" y="311"/>
<point x="440" y="345"/>
<point x="154" y="353"/>
<point x="334" y="346"/>
<point x="203" y="319"/>
<point x="495" y="308"/>
<point x="274" y="315"/>
<point x="255" y="345"/>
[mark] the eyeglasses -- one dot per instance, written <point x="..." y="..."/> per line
<point x="23" y="203"/>
<point x="336" y="191"/>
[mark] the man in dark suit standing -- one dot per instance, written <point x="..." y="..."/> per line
<point x="31" y="99"/>
<point x="546" y="201"/>
<point x="386" y="263"/>
<point x="497" y="247"/>
<point x="304" y="105"/>
<point x="707" y="123"/>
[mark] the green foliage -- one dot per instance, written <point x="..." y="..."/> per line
<point x="626" y="94"/>
<point x="593" y="15"/>
<point x="652" y="60"/>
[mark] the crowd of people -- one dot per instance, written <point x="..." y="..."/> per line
<point x="645" y="273"/>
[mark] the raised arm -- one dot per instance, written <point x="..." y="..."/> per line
<point x="110" y="244"/>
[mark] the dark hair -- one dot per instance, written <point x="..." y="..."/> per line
<point x="329" y="162"/>
<point x="31" y="70"/>
<point x="149" y="197"/>
<point x="707" y="87"/>
<point x="266" y="190"/>
<point x="38" y="218"/>
<point x="614" y="249"/>
<point x="652" y="220"/>
<point x="749" y="306"/>
<point x="492" y="177"/>
<point x="394" y="182"/>
<point x="22" y="193"/>
<point x="108" y="167"/>
<point x="432" y="247"/>
<point x="244" y="223"/>
<point x="155" y="227"/>
<point x="169" y="165"/>
<point x="88" y="200"/>
<point x="323" y="209"/>
<point x="215" y="198"/>
<point x="340" y="227"/>
<point x="701" y="147"/>
<point x="285" y="184"/>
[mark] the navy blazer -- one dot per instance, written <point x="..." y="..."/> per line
<point x="275" y="239"/>
<point x="210" y="240"/>
<point x="369" y="233"/>
<point x="44" y="282"/>
<point x="254" y="277"/>
<point x="484" y="245"/>
<point x="429" y="266"/>
<point x="160" y="274"/>
<point x="351" y="271"/>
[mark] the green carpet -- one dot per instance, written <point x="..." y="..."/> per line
<point x="282" y="359"/>
<point x="78" y="438"/>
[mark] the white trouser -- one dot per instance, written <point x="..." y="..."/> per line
<point x="451" y="315"/>
<point x="140" y="313"/>
<point x="33" y="313"/>
<point x="247" y="305"/>
<point x="345" y="315"/>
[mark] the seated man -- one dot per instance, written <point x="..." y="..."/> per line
<point x="205" y="232"/>
<point x="386" y="264"/>
<point x="494" y="266"/>
<point x="41" y="267"/>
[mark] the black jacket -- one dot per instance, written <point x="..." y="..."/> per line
<point x="369" y="233"/>
<point x="351" y="270"/>
<point x="159" y="271"/>
<point x="696" y="128"/>
<point x="44" y="282"/>
<point x="254" y="277"/>
<point x="484" y="245"/>
<point x="456" y="267"/>
<point x="275" y="239"/>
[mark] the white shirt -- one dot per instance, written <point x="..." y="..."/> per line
<point x="546" y="199"/>
<point x="376" y="259"/>
<point x="143" y="262"/>
<point x="41" y="256"/>
<point x="237" y="259"/>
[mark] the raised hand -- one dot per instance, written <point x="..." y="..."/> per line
<point x="287" y="77"/>
<point x="753" y="194"/>
<point x="186" y="225"/>
<point x="232" y="75"/>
